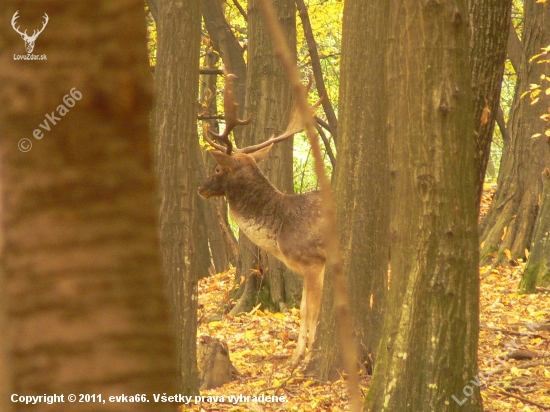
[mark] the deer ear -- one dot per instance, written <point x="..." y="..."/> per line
<point x="223" y="159"/>
<point x="261" y="154"/>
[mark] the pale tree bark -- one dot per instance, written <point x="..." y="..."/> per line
<point x="269" y="99"/>
<point x="361" y="187"/>
<point x="429" y="344"/>
<point x="510" y="222"/>
<point x="175" y="119"/>
<point x="489" y="25"/>
<point x="85" y="294"/>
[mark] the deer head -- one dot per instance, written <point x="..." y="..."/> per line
<point x="29" y="40"/>
<point x="236" y="166"/>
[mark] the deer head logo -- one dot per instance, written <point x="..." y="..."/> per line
<point x="29" y="40"/>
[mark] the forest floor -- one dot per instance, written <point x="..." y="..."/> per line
<point x="260" y="345"/>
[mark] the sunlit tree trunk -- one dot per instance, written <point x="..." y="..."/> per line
<point x="510" y="222"/>
<point x="429" y="344"/>
<point x="175" y="118"/>
<point x="81" y="262"/>
<point x="361" y="186"/>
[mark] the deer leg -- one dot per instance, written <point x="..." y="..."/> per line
<point x="302" y="336"/>
<point x="313" y="282"/>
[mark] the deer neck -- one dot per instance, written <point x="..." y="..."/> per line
<point x="255" y="198"/>
<point x="258" y="209"/>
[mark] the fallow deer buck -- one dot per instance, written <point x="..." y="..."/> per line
<point x="289" y="226"/>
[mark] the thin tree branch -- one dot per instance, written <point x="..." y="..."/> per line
<point x="241" y="9"/>
<point x="210" y="71"/>
<point x="334" y="264"/>
<point x="213" y="117"/>
<point x="521" y="398"/>
<point x="325" y="125"/>
<point x="316" y="66"/>
<point x="327" y="146"/>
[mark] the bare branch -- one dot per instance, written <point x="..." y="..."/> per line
<point x="330" y="153"/>
<point x="316" y="66"/>
<point x="241" y="9"/>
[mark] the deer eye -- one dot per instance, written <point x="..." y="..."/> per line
<point x="218" y="170"/>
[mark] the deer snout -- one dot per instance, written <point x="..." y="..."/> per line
<point x="204" y="192"/>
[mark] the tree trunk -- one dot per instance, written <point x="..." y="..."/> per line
<point x="225" y="43"/>
<point x="220" y="250"/>
<point x="511" y="218"/>
<point x="537" y="270"/>
<point x="176" y="160"/>
<point x="363" y="167"/>
<point x="86" y="298"/>
<point x="428" y="350"/>
<point x="5" y="350"/>
<point x="489" y="25"/>
<point x="269" y="98"/>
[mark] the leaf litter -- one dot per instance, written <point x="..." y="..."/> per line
<point x="261" y="344"/>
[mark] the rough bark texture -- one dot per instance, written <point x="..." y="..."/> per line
<point x="537" y="270"/>
<point x="5" y="350"/>
<point x="176" y="87"/>
<point x="269" y="99"/>
<point x="510" y="221"/>
<point x="489" y="25"/>
<point x="363" y="168"/>
<point x="428" y="350"/>
<point x="86" y="297"/>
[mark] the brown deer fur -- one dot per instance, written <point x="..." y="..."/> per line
<point x="287" y="226"/>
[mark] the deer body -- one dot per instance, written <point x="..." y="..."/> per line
<point x="287" y="226"/>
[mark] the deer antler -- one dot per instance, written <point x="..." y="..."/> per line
<point x="295" y="122"/>
<point x="231" y="117"/>
<point x="295" y="125"/>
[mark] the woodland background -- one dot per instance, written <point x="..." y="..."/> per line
<point x="414" y="94"/>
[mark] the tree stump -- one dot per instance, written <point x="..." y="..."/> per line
<point x="215" y="367"/>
